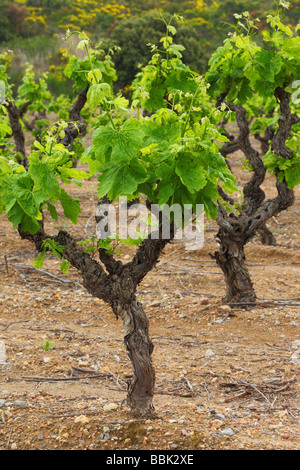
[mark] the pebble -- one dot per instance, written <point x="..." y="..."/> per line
<point x="20" y="403"/>
<point x="2" y="402"/>
<point x="110" y="407"/>
<point x="227" y="432"/>
<point x="82" y="419"/>
<point x="155" y="304"/>
<point x="209" y="353"/>
<point x="219" y="416"/>
<point x="295" y="358"/>
<point x="83" y="363"/>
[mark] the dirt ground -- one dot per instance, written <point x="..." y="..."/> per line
<point x="225" y="379"/>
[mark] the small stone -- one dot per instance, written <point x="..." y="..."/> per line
<point x="225" y="307"/>
<point x="216" y="423"/>
<point x="295" y="358"/>
<point x="110" y="407"/>
<point x="155" y="304"/>
<point x="209" y="353"/>
<point x="83" y="363"/>
<point x="13" y="446"/>
<point x="2" y="402"/>
<point x="47" y="359"/>
<point x="20" y="403"/>
<point x="219" y="416"/>
<point x="227" y="432"/>
<point x="82" y="419"/>
<point x="40" y="437"/>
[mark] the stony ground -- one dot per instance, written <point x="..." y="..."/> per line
<point x="226" y="379"/>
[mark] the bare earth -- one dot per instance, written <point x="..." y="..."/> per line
<point x="225" y="379"/>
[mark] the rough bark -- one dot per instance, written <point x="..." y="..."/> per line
<point x="139" y="347"/>
<point x="76" y="126"/>
<point x="17" y="132"/>
<point x="231" y="259"/>
<point x="266" y="236"/>
<point x="253" y="194"/>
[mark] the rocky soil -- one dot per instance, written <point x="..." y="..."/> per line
<point x="226" y="379"/>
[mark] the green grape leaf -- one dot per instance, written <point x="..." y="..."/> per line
<point x="124" y="144"/>
<point x="53" y="211"/>
<point x="117" y="180"/>
<point x="70" y="206"/>
<point x="98" y="93"/>
<point x="168" y="184"/>
<point x="292" y="174"/>
<point x="14" y="213"/>
<point x="22" y="190"/>
<point x="291" y="47"/>
<point x="65" y="266"/>
<point x="191" y="174"/>
<point x="44" y="178"/>
<point x="38" y="263"/>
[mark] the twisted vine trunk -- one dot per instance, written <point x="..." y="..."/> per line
<point x="139" y="347"/>
<point x="236" y="231"/>
<point x="239" y="287"/>
<point x="231" y="259"/>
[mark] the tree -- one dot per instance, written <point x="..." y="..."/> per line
<point x="171" y="158"/>
<point x="6" y="27"/>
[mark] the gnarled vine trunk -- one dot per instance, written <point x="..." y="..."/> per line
<point x="231" y="259"/>
<point x="239" y="287"/>
<point x="236" y="231"/>
<point x="139" y="347"/>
